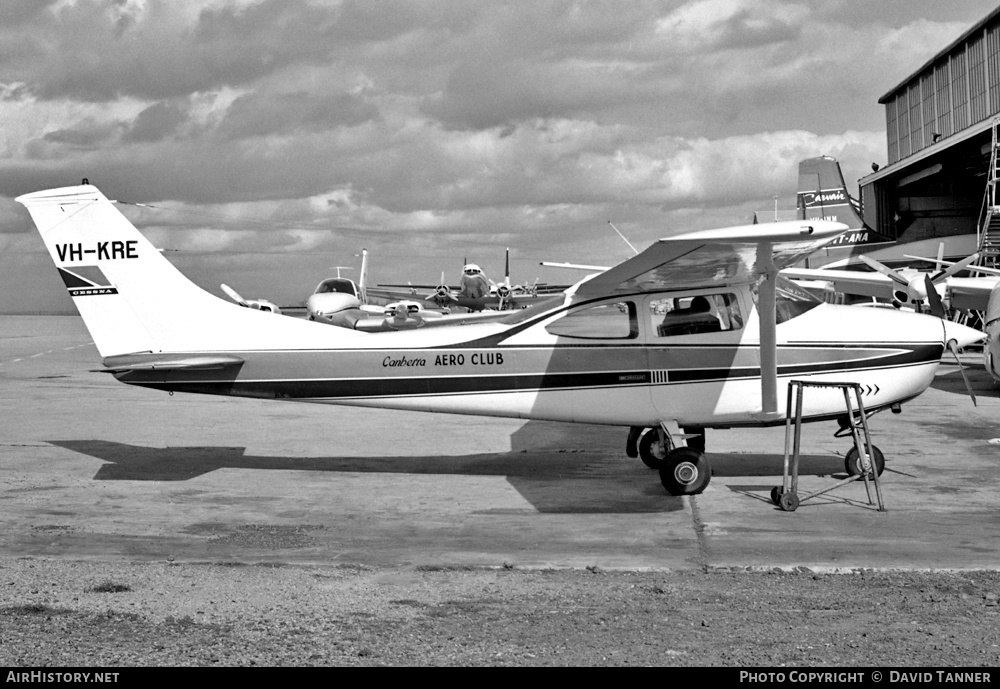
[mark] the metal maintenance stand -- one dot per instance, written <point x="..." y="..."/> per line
<point x="786" y="495"/>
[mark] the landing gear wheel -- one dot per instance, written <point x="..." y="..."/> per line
<point x="651" y="451"/>
<point x="685" y="472"/>
<point x="789" y="502"/>
<point x="852" y="462"/>
<point x="776" y="494"/>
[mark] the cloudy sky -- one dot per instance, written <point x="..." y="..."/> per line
<point x="276" y="138"/>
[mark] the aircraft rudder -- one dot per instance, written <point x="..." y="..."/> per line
<point x="822" y="194"/>
<point x="130" y="297"/>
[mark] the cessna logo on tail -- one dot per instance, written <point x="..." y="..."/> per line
<point x="102" y="251"/>
<point x="85" y="281"/>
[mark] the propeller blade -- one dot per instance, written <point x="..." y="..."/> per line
<point x="885" y="270"/>
<point x="234" y="295"/>
<point x="933" y="298"/>
<point x="976" y="269"/>
<point x="954" y="268"/>
<point x="954" y="350"/>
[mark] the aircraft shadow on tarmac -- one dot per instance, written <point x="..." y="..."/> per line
<point x="551" y="481"/>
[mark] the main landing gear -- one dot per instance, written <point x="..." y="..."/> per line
<point x="684" y="470"/>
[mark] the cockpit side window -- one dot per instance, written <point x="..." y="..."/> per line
<point x="615" y="321"/>
<point x="691" y="314"/>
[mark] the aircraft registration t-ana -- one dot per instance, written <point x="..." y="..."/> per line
<point x="697" y="331"/>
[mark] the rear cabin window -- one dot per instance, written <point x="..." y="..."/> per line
<point x="689" y="315"/>
<point x="616" y="321"/>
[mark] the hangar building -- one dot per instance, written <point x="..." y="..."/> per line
<point x="941" y="127"/>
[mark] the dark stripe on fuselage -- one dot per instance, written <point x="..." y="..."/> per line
<point x="410" y="386"/>
<point x="915" y="355"/>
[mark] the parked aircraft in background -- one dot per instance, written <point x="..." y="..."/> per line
<point x="341" y="302"/>
<point x="822" y="194"/>
<point x="980" y="294"/>
<point x="611" y="350"/>
<point x="937" y="292"/>
<point x="476" y="292"/>
<point x="901" y="286"/>
<point x="258" y="304"/>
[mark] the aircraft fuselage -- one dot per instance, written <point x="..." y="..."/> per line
<point x="556" y="366"/>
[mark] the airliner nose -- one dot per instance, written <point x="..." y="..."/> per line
<point x="327" y="303"/>
<point x="962" y="335"/>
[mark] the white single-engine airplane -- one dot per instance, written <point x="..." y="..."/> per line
<point x="668" y="339"/>
<point x="259" y="304"/>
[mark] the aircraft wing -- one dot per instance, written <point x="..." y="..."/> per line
<point x="388" y="323"/>
<point x="736" y="255"/>
<point x="971" y="293"/>
<point x="390" y="293"/>
<point x="859" y="282"/>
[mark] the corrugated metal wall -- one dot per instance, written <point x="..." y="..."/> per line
<point x="959" y="90"/>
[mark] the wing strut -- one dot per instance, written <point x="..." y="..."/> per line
<point x="767" y="313"/>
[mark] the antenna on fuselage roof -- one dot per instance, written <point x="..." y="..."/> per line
<point x="340" y="268"/>
<point x="634" y="250"/>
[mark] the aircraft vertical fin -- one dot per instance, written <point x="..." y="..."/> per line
<point x="363" y="282"/>
<point x="131" y="298"/>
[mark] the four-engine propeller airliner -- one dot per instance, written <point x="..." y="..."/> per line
<point x="697" y="331"/>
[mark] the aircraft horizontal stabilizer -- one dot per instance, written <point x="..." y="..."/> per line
<point x="196" y="363"/>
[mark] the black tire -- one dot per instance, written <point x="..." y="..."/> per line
<point x="685" y="472"/>
<point x="852" y="462"/>
<point x="776" y="494"/>
<point x="651" y="451"/>
<point x="789" y="501"/>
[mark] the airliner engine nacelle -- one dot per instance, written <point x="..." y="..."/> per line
<point x="441" y="296"/>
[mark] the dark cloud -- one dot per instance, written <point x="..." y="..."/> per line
<point x="85" y="135"/>
<point x="157" y="122"/>
<point x="260" y="114"/>
<point x="96" y="53"/>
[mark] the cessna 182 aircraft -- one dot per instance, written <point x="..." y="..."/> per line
<point x="697" y="331"/>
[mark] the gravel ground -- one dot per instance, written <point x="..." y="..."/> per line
<point x="124" y="614"/>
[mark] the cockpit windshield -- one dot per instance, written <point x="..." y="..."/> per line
<point x="336" y="285"/>
<point x="790" y="299"/>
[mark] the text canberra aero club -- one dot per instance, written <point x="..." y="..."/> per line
<point x="104" y="251"/>
<point x="874" y="676"/>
